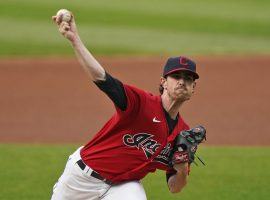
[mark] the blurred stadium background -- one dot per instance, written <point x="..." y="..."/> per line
<point x="49" y="108"/>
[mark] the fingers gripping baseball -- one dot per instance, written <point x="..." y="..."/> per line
<point x="64" y="28"/>
<point x="66" y="24"/>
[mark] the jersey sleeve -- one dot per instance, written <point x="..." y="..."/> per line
<point x="126" y="98"/>
<point x="135" y="98"/>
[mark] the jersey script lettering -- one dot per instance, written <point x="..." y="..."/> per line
<point x="142" y="141"/>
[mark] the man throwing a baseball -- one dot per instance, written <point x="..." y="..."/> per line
<point x="138" y="139"/>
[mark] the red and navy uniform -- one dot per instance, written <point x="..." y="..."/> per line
<point x="138" y="139"/>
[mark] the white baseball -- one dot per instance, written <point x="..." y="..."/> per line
<point x="64" y="14"/>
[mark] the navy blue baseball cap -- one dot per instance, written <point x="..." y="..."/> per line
<point x="177" y="64"/>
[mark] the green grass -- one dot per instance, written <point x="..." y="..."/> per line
<point x="138" y="27"/>
<point x="30" y="171"/>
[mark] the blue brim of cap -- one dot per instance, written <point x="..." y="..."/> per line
<point x="195" y="75"/>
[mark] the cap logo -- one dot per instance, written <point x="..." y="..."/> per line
<point x="183" y="61"/>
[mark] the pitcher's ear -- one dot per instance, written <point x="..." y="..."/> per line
<point x="162" y="81"/>
<point x="194" y="85"/>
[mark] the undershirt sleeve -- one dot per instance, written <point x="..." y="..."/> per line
<point x="114" y="89"/>
<point x="170" y="173"/>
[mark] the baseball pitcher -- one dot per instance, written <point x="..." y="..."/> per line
<point x="145" y="133"/>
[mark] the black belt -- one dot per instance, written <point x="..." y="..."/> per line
<point x="93" y="173"/>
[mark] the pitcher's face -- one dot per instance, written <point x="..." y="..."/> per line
<point x="179" y="86"/>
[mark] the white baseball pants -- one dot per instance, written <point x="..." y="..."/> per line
<point x="78" y="184"/>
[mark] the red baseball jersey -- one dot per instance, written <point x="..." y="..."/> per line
<point x="133" y="142"/>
